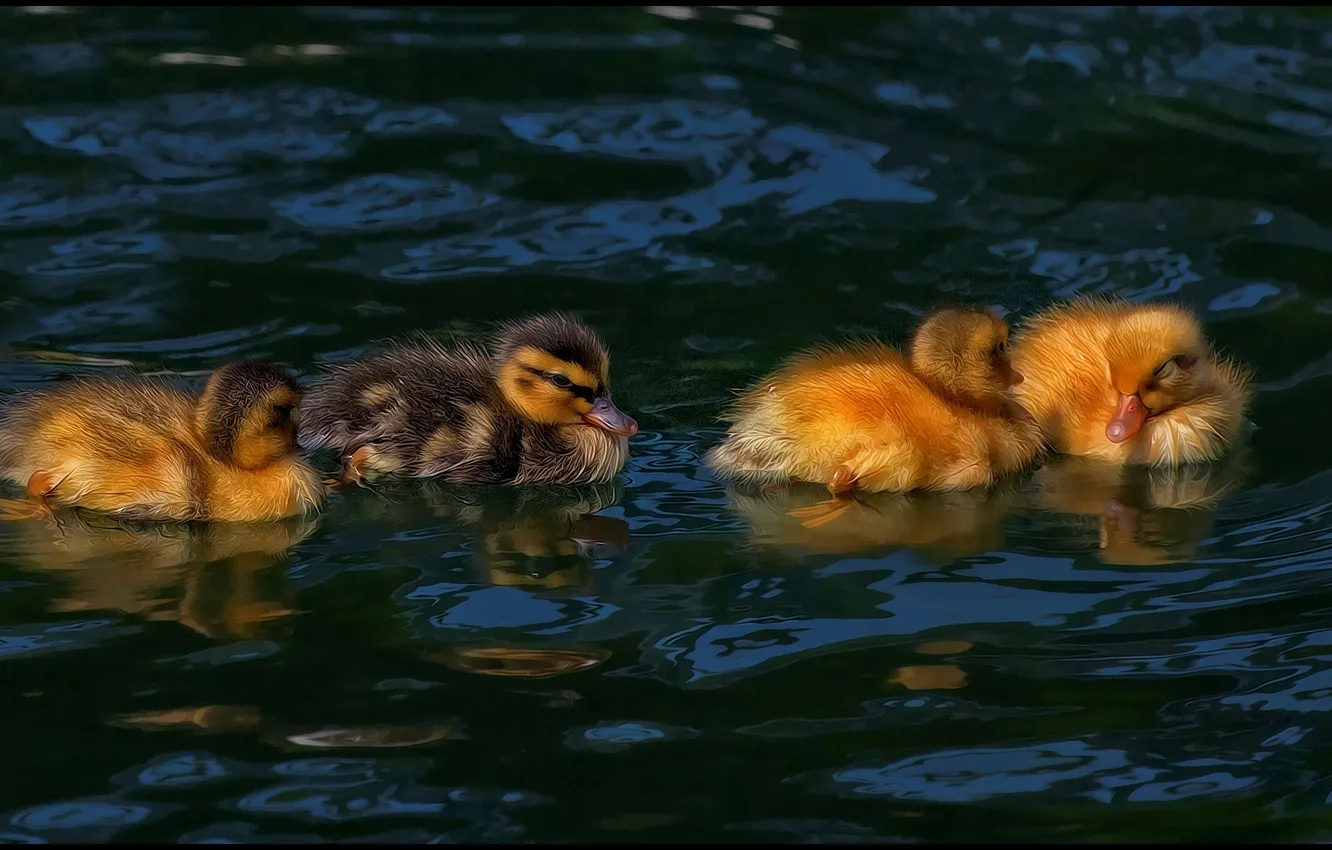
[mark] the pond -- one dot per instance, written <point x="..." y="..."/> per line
<point x="663" y="658"/>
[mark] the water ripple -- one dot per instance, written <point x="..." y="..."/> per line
<point x="92" y="819"/>
<point x="383" y="202"/>
<point x="670" y="130"/>
<point x="1073" y="767"/>
<point x="208" y="135"/>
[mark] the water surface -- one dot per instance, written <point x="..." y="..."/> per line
<point x="1074" y="656"/>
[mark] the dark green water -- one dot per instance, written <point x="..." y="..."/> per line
<point x="661" y="659"/>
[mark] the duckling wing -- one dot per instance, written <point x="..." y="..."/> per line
<point x="122" y="446"/>
<point x="365" y="396"/>
<point x="106" y="418"/>
<point x="424" y="409"/>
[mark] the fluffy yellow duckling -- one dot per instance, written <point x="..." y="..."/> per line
<point x="1129" y="384"/>
<point x="139" y="449"/>
<point x="863" y="417"/>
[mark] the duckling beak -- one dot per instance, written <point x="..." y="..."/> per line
<point x="606" y="416"/>
<point x="1128" y="419"/>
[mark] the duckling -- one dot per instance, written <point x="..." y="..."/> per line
<point x="138" y="449"/>
<point x="862" y="416"/>
<point x="536" y="409"/>
<point x="1130" y="384"/>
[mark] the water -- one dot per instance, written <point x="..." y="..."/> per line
<point x="662" y="659"/>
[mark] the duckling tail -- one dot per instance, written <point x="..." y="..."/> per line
<point x="749" y="458"/>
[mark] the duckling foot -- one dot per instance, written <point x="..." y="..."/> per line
<point x="353" y="465"/>
<point x="827" y="510"/>
<point x="40" y="485"/>
<point x="18" y="509"/>
<point x="842" y="486"/>
<point x="821" y="513"/>
<point x="843" y="480"/>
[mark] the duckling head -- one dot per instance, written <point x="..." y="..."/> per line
<point x="964" y="353"/>
<point x="248" y="413"/>
<point x="1158" y="359"/>
<point x="554" y="370"/>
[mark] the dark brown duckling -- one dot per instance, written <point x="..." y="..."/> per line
<point x="534" y="409"/>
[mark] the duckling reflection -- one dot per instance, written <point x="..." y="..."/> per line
<point x="929" y="677"/>
<point x="550" y="540"/>
<point x="213" y="578"/>
<point x="1145" y="515"/>
<point x="539" y="537"/>
<point x="942" y="525"/>
<point x="517" y="661"/>
<point x="241" y="719"/>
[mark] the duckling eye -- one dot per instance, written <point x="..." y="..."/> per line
<point x="559" y="380"/>
<point x="1173" y="365"/>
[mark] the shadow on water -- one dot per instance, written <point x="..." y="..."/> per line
<point x="1090" y="654"/>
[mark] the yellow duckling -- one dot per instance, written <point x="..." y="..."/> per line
<point x="139" y="449"/>
<point x="1129" y="384"/>
<point x="864" y="417"/>
<point x="536" y="409"/>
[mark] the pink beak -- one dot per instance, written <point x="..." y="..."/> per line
<point x="1128" y="419"/>
<point x="606" y="416"/>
